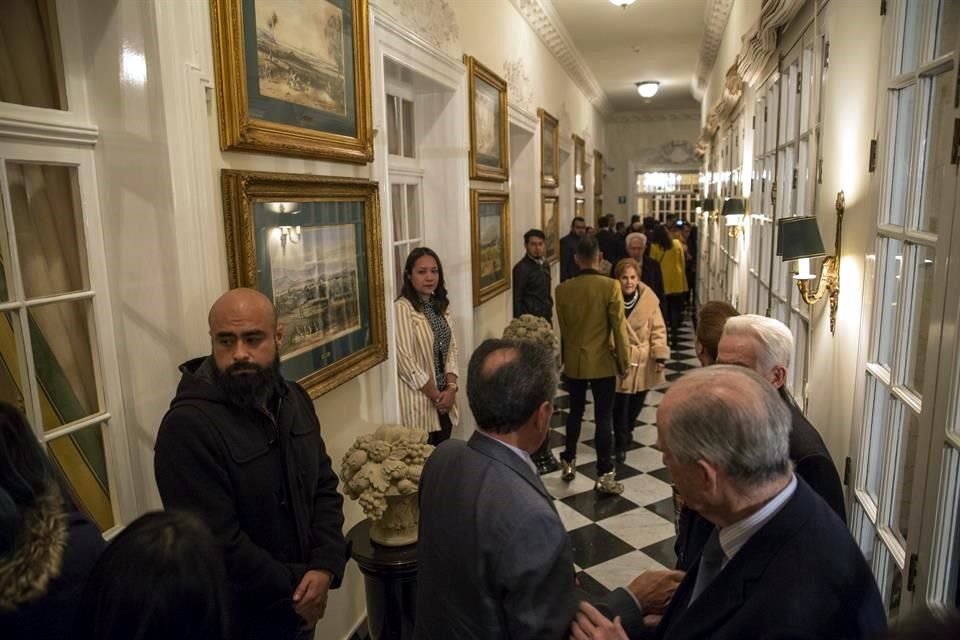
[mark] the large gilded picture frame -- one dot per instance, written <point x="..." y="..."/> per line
<point x="312" y="245"/>
<point x="549" y="149"/>
<point x="597" y="173"/>
<point x="490" y="242"/>
<point x="579" y="164"/>
<point x="489" y="150"/>
<point x="293" y="77"/>
<point x="550" y="225"/>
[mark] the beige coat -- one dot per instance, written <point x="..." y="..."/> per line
<point x="648" y="342"/>
<point x="415" y="367"/>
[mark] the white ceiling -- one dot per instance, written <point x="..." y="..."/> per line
<point x="649" y="40"/>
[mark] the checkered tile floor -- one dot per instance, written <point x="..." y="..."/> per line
<point x="615" y="538"/>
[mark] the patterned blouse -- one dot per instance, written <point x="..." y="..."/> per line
<point x="441" y="341"/>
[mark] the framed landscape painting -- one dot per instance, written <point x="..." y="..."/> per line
<point x="490" y="236"/>
<point x="312" y="245"/>
<point x="293" y="77"/>
<point x="489" y="153"/>
<point x="550" y="224"/>
<point x="549" y="150"/>
<point x="579" y="164"/>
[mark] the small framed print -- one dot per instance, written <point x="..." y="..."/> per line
<point x="489" y="153"/>
<point x="549" y="149"/>
<point x="490" y="235"/>
<point x="579" y="164"/>
<point x="597" y="173"/>
<point x="550" y="224"/>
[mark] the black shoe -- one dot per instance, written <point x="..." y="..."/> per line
<point x="546" y="463"/>
<point x="621" y="457"/>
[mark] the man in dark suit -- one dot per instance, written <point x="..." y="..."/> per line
<point x="532" y="289"/>
<point x="568" y="247"/>
<point x="779" y="563"/>
<point x="611" y="243"/>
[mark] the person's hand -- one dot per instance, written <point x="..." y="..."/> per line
<point x="445" y="400"/>
<point x="310" y="596"/>
<point x="660" y="367"/>
<point x="590" y="624"/>
<point x="654" y="589"/>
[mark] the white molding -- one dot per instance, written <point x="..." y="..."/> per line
<point x="15" y="128"/>
<point x="716" y="13"/>
<point x="523" y="119"/>
<point x="438" y="64"/>
<point x="546" y="23"/>
<point x="654" y="116"/>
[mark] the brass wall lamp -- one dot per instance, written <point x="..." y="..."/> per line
<point x="799" y="239"/>
<point x="733" y="212"/>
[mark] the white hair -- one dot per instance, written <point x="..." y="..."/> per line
<point x="632" y="235"/>
<point x="773" y="338"/>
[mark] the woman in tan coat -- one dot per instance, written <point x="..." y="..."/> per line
<point x="648" y="352"/>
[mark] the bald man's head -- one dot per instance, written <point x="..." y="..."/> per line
<point x="244" y="333"/>
<point x="242" y="298"/>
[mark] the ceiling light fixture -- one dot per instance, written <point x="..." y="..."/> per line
<point x="648" y="89"/>
<point x="622" y="3"/>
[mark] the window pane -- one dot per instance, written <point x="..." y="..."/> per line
<point x="903" y="105"/>
<point x="6" y="274"/>
<point x="409" y="134"/>
<point x="920" y="309"/>
<point x="802" y="179"/>
<point x="906" y="469"/>
<point x="937" y="167"/>
<point x="413" y="210"/>
<point x="889" y="285"/>
<point x="949" y="24"/>
<point x="49" y="228"/>
<point x="33" y="65"/>
<point x="62" y="340"/>
<point x="889" y="579"/>
<point x="396" y="209"/>
<point x="399" y="260"/>
<point x="11" y="350"/>
<point x="806" y="85"/>
<point x="875" y="434"/>
<point x="912" y="35"/>
<point x="862" y="530"/>
<point x="81" y="459"/>
<point x="393" y="126"/>
<point x="946" y="567"/>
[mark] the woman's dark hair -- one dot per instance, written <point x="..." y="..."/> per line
<point x="713" y="315"/>
<point x="163" y="577"/>
<point x="662" y="237"/>
<point x="440" y="300"/>
<point x="26" y="474"/>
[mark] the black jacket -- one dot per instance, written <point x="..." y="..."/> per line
<point x="532" y="289"/>
<point x="811" y="461"/>
<point x="800" y="576"/>
<point x="611" y="245"/>
<point x="568" y="249"/>
<point x="263" y="485"/>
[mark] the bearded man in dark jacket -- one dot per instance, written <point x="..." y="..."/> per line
<point x="240" y="447"/>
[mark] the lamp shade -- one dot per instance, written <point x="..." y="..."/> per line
<point x="733" y="207"/>
<point x="708" y="204"/>
<point x="799" y="238"/>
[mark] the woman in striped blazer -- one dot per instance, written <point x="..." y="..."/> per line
<point x="426" y="348"/>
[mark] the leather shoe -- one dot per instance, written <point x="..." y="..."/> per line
<point x="569" y="470"/>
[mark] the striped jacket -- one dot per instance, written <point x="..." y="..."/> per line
<point x="415" y="367"/>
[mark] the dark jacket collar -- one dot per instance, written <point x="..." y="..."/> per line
<point x="485" y="445"/>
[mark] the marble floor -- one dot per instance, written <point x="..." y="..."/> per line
<point x="615" y="538"/>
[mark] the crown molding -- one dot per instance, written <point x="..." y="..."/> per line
<point x="716" y="13"/>
<point x="655" y="116"/>
<point x="546" y="23"/>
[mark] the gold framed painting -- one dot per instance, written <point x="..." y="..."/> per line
<point x="490" y="242"/>
<point x="312" y="245"/>
<point x="293" y="77"/>
<point x="550" y="224"/>
<point x="597" y="173"/>
<point x="579" y="164"/>
<point x="549" y="149"/>
<point x="597" y="208"/>
<point x="580" y="209"/>
<point x="487" y="93"/>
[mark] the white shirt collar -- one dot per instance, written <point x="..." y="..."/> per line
<point x="517" y="450"/>
<point x="733" y="537"/>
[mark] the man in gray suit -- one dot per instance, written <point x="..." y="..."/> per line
<point x="494" y="558"/>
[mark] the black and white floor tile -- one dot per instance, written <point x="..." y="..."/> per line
<point x="615" y="538"/>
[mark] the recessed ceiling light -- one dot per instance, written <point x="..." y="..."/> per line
<point x="648" y="89"/>
<point x="622" y="3"/>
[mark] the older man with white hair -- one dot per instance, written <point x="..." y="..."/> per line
<point x="778" y="562"/>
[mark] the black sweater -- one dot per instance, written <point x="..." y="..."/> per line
<point x="532" y="289"/>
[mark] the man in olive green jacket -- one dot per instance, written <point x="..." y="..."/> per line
<point x="590" y="311"/>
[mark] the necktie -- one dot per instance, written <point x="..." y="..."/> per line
<point x="711" y="562"/>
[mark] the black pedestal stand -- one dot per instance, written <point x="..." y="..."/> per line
<point x="390" y="582"/>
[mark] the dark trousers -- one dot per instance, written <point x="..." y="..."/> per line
<point x="675" y="314"/>
<point x="626" y="408"/>
<point x="604" y="389"/>
<point x="446" y="428"/>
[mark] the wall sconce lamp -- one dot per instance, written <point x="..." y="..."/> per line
<point x="733" y="211"/>
<point x="706" y="208"/>
<point x="286" y="221"/>
<point x="799" y="239"/>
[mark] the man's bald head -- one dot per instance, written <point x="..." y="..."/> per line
<point x="244" y="331"/>
<point x="242" y="299"/>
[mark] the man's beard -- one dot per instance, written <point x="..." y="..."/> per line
<point x="249" y="390"/>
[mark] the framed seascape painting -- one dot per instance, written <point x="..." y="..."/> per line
<point x="597" y="173"/>
<point x="549" y="149"/>
<point x="550" y="224"/>
<point x="312" y="245"/>
<point x="293" y="77"/>
<point x="579" y="164"/>
<point x="489" y="155"/>
<point x="490" y="236"/>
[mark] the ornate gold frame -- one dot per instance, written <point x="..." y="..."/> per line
<point x="241" y="189"/>
<point x="241" y="132"/>
<point x="556" y="223"/>
<point x="478" y="171"/>
<point x="597" y="173"/>
<point x="552" y="180"/>
<point x="477" y="197"/>
<point x="579" y="163"/>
